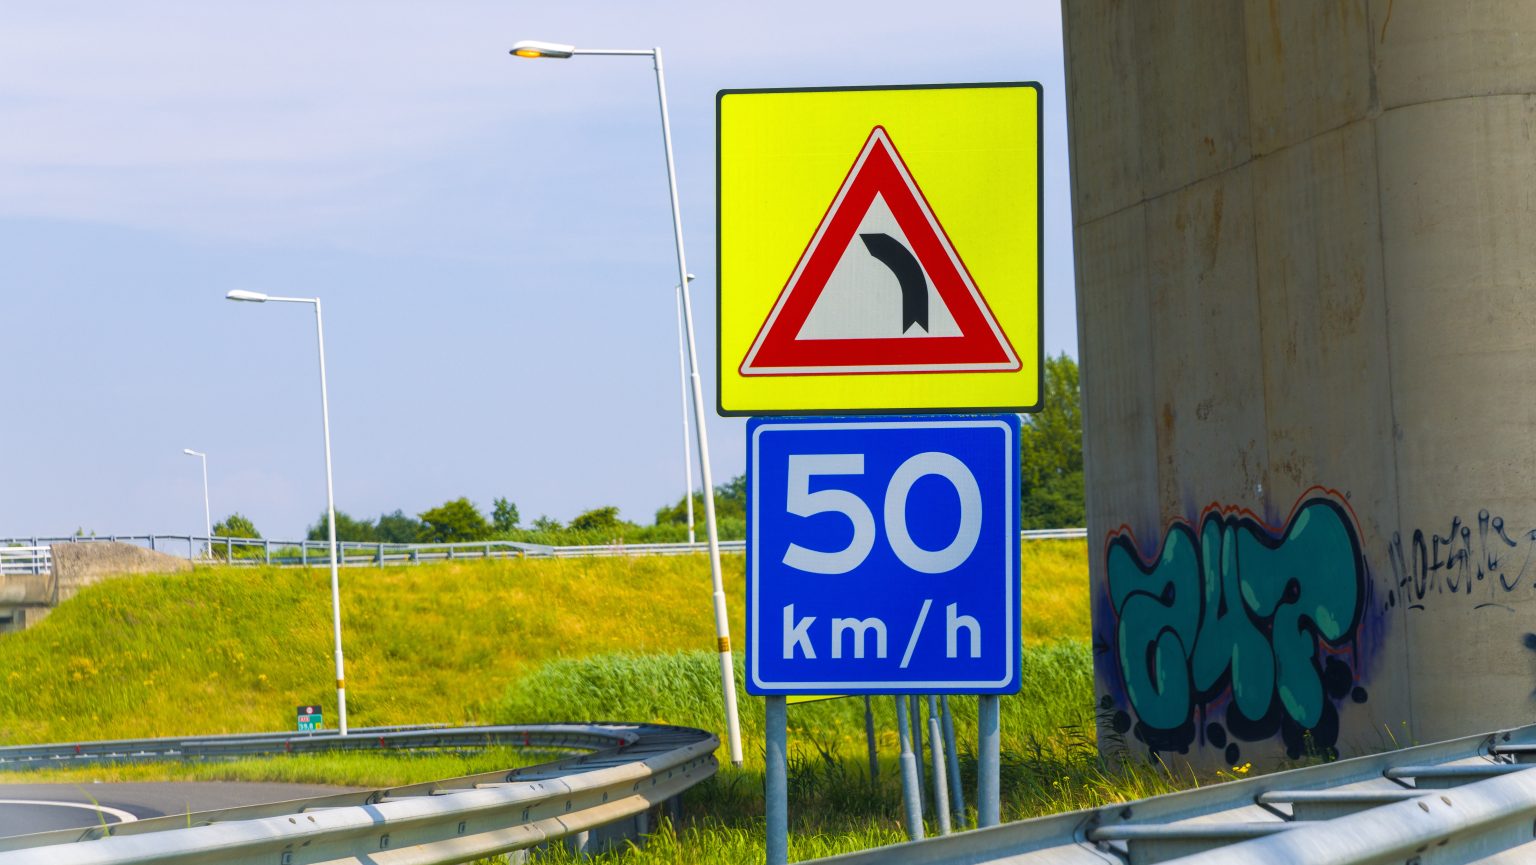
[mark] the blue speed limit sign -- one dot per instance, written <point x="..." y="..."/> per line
<point x="883" y="555"/>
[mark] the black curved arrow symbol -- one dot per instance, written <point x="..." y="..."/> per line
<point x="914" y="287"/>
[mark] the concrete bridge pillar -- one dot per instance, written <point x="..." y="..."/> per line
<point x="1306" y="264"/>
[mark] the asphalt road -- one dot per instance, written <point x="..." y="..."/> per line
<point x="27" y="808"/>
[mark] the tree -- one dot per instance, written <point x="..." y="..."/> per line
<point x="397" y="528"/>
<point x="731" y="498"/>
<point x="1051" y="452"/>
<point x="453" y="521"/>
<point x="730" y="503"/>
<point x="546" y="524"/>
<point x="347" y="529"/>
<point x="596" y="520"/>
<point x="235" y="526"/>
<point x="503" y="515"/>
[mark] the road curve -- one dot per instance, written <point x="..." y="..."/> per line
<point x="28" y="808"/>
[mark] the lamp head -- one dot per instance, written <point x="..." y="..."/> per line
<point x="190" y="452"/>
<point x="533" y="48"/>
<point x="247" y="296"/>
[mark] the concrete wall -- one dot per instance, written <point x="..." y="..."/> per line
<point x="1305" y="240"/>
<point x="26" y="599"/>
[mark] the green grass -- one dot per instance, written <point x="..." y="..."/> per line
<point x="226" y="650"/>
<point x="1050" y="763"/>
<point x="360" y="769"/>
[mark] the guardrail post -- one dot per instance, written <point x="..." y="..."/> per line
<point x="151" y="542"/>
<point x="911" y="789"/>
<point x="304" y="552"/>
<point x="229" y="548"/>
<point x="267" y="550"/>
<point x="956" y="788"/>
<point x="936" y="757"/>
<point x="988" y="762"/>
<point x="776" y="780"/>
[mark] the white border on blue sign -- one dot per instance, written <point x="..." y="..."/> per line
<point x="1010" y="459"/>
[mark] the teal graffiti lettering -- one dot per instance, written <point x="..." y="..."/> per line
<point x="1241" y="615"/>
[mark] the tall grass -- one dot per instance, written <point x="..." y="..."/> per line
<point x="629" y="639"/>
<point x="1053" y="713"/>
<point x="231" y="649"/>
<point x="1050" y="764"/>
<point x="226" y="649"/>
<point x="344" y="768"/>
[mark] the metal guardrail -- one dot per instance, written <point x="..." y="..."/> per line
<point x="25" y="560"/>
<point x="247" y="551"/>
<point x="1465" y="800"/>
<point x="628" y="770"/>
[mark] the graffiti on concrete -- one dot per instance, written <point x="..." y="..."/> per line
<point x="1236" y="631"/>
<point x="1481" y="563"/>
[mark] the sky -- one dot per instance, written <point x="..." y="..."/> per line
<point x="490" y="237"/>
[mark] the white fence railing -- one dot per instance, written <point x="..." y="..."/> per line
<point x="25" y="560"/>
<point x="34" y="557"/>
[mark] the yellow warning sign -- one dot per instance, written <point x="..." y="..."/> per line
<point x="879" y="249"/>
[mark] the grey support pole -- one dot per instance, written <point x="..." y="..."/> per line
<point x="776" y="780"/>
<point x="869" y="740"/>
<point x="956" y="789"/>
<point x="989" y="759"/>
<point x="916" y="703"/>
<point x="936" y="749"/>
<point x="911" y="784"/>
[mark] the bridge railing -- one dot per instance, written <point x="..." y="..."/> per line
<point x="25" y="559"/>
<point x="264" y="551"/>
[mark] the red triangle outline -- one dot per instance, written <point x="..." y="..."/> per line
<point x="982" y="345"/>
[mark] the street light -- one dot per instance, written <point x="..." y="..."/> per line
<point x="555" y="50"/>
<point x="330" y="495"/>
<point x="682" y="382"/>
<point x="207" y="514"/>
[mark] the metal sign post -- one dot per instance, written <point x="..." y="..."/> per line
<point x="989" y="745"/>
<point x="956" y="789"/>
<point x="936" y="749"/>
<point x="911" y="785"/>
<point x="776" y="780"/>
<point x="883" y="558"/>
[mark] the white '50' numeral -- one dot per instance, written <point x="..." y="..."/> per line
<point x="800" y="501"/>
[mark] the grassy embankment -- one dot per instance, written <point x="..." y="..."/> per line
<point x="231" y="650"/>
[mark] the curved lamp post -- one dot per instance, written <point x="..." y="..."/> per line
<point x="330" y="496"/>
<point x="553" y="50"/>
<point x="207" y="513"/>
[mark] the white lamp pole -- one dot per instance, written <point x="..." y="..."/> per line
<point x="207" y="514"/>
<point x="682" y="382"/>
<point x="330" y="495"/>
<point x="535" y="49"/>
